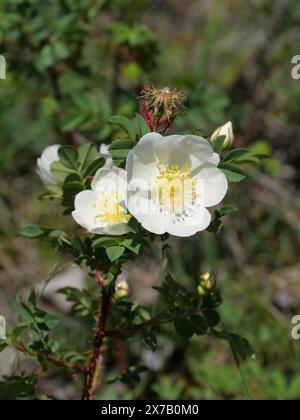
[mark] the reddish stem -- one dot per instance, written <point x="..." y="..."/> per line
<point x="95" y="358"/>
<point x="148" y="117"/>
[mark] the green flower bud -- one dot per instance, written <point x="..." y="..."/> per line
<point x="224" y="130"/>
<point x="207" y="283"/>
<point x="122" y="289"/>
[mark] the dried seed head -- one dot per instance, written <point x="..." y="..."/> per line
<point x="163" y="103"/>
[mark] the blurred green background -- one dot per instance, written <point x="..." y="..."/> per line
<point x="73" y="63"/>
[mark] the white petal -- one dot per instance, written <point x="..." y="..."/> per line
<point x="190" y="225"/>
<point x="144" y="150"/>
<point x="183" y="150"/>
<point x="106" y="180"/>
<point x="104" y="152"/>
<point x="197" y="146"/>
<point x="140" y="168"/>
<point x="213" y="184"/>
<point x="49" y="155"/>
<point x="215" y="159"/>
<point x="141" y="160"/>
<point x="138" y="204"/>
<point x="148" y="140"/>
<point x="118" y="229"/>
<point x="154" y="223"/>
<point x="85" y="211"/>
<point x="45" y="176"/>
<point x="169" y="151"/>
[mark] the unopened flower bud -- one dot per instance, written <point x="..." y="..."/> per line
<point x="207" y="283"/>
<point x="2" y="328"/>
<point x="122" y="289"/>
<point x="225" y="130"/>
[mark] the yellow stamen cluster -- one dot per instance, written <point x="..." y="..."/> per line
<point x="175" y="187"/>
<point x="110" y="210"/>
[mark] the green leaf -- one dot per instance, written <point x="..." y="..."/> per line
<point x="18" y="330"/>
<point x="17" y="388"/>
<point x="24" y="312"/>
<point x="261" y="147"/>
<point x="235" y="154"/>
<point x="60" y="171"/>
<point x="51" y="321"/>
<point x="134" y="225"/>
<point x="87" y="154"/>
<point x="3" y="345"/>
<point x="82" y="302"/>
<point x="72" y="120"/>
<point x="218" y="143"/>
<point x="233" y="173"/>
<point x="240" y="346"/>
<point x="106" y="241"/>
<point x="212" y="318"/>
<point x="248" y="158"/>
<point x="32" y="299"/>
<point x="215" y="226"/>
<point x="119" y="149"/>
<point x="68" y="157"/>
<point x="93" y="167"/>
<point x="226" y="210"/>
<point x="199" y="324"/>
<point x="132" y="245"/>
<point x="142" y="125"/>
<point x="54" y="189"/>
<point x="114" y="252"/>
<point x="71" y="187"/>
<point x="241" y="156"/>
<point x="72" y="182"/>
<point x="120" y="163"/>
<point x="31" y="231"/>
<point x="124" y="123"/>
<point x="184" y="328"/>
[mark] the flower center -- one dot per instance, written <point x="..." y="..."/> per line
<point x="174" y="188"/>
<point x="110" y="210"/>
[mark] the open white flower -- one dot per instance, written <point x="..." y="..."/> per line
<point x="171" y="181"/>
<point x="2" y="328"/>
<point x="49" y="155"/>
<point x="103" y="208"/>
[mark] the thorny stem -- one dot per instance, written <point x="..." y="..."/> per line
<point x="96" y="357"/>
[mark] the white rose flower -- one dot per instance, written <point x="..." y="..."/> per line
<point x="102" y="209"/>
<point x="2" y="328"/>
<point x="225" y="130"/>
<point x="49" y="155"/>
<point x="171" y="182"/>
<point x="104" y="152"/>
